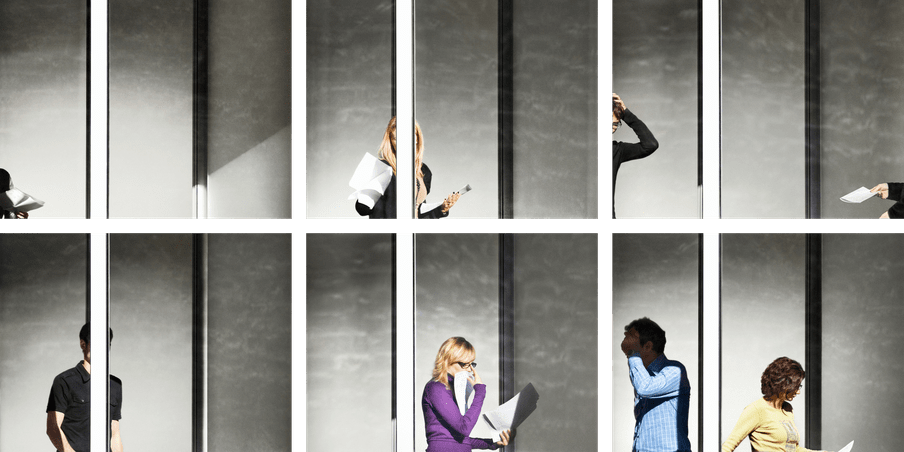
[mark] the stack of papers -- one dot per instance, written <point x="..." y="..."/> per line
<point x="370" y="180"/>
<point x="14" y="200"/>
<point x="511" y="414"/>
<point x="857" y="196"/>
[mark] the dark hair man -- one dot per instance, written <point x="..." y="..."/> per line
<point x="662" y="391"/>
<point x="625" y="152"/>
<point x="69" y="404"/>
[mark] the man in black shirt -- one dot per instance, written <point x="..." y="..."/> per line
<point x="69" y="404"/>
<point x="623" y="152"/>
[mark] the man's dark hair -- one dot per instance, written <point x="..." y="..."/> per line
<point x="649" y="332"/>
<point x="85" y="333"/>
<point x="618" y="110"/>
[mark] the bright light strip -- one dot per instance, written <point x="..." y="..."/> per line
<point x="99" y="326"/>
<point x="712" y="92"/>
<point x="711" y="340"/>
<point x="406" y="403"/>
<point x="98" y="106"/>
<point x="404" y="108"/>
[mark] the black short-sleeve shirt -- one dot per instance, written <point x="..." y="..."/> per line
<point x="71" y="395"/>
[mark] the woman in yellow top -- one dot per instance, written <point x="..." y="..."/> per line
<point x="769" y="421"/>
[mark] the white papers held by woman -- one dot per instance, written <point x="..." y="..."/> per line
<point x="370" y="180"/>
<point x="511" y="414"/>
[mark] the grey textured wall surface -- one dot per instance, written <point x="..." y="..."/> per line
<point x="150" y="91"/>
<point x="457" y="294"/>
<point x="250" y="103"/>
<point x="763" y="108"/>
<point x="555" y="119"/>
<point x="763" y="307"/>
<point x="556" y="336"/>
<point x="861" y="91"/>
<point x="42" y="307"/>
<point x="250" y="338"/>
<point x="862" y="318"/>
<point x="456" y="106"/>
<point x="655" y="276"/>
<point x="151" y="318"/>
<point x="349" y="96"/>
<point x="654" y="70"/>
<point x="349" y="342"/>
<point x="43" y="102"/>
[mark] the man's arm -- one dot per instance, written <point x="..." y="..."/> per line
<point x="55" y="433"/>
<point x="647" y="144"/>
<point x="665" y="384"/>
<point x="115" y="439"/>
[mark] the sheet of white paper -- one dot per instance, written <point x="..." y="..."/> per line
<point x="15" y="200"/>
<point x="857" y="196"/>
<point x="464" y="189"/>
<point x="371" y="174"/>
<point x="848" y="448"/>
<point x="428" y="206"/>
<point x="464" y="392"/>
<point x="510" y="414"/>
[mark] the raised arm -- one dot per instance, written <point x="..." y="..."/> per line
<point x="55" y="433"/>
<point x="665" y="384"/>
<point x="647" y="144"/>
<point x="115" y="439"/>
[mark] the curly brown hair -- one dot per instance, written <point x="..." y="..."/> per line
<point x="781" y="379"/>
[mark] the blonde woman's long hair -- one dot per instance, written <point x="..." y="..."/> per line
<point x="388" y="147"/>
<point x="454" y="350"/>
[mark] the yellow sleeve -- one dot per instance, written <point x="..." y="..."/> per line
<point x="747" y="423"/>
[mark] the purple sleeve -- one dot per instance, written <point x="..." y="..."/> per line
<point x="447" y="410"/>
<point x="481" y="443"/>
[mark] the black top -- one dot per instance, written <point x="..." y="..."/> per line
<point x="624" y="152"/>
<point x="385" y="207"/>
<point x="5" y="182"/>
<point x="895" y="190"/>
<point x="71" y="395"/>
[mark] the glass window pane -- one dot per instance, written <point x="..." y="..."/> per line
<point x="457" y="294"/>
<point x="43" y="87"/>
<point x="862" y="317"/>
<point x="456" y="53"/>
<point x="655" y="61"/>
<point x="763" y="303"/>
<point x="555" y="116"/>
<point x="763" y="109"/>
<point x="555" y="339"/>
<point x="349" y="96"/>
<point x="42" y="308"/>
<point x="349" y="341"/>
<point x="151" y="317"/>
<point x="671" y="299"/>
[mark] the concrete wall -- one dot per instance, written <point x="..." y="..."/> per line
<point x="655" y="276"/>
<point x="43" y="87"/>
<point x="763" y="307"/>
<point x="349" y="342"/>
<point x="556" y="337"/>
<point x="42" y="307"/>
<point x="654" y="70"/>
<point x="763" y="107"/>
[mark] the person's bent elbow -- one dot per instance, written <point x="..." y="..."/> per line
<point x="649" y="146"/>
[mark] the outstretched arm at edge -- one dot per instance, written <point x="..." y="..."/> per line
<point x="115" y="439"/>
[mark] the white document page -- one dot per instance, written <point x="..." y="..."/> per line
<point x="464" y="392"/>
<point x="857" y="196"/>
<point x="14" y="200"/>
<point x="510" y="414"/>
<point x="848" y="447"/>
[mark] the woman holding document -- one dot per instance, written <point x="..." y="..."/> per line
<point x="447" y="429"/>
<point x="384" y="206"/>
<point x="769" y="421"/>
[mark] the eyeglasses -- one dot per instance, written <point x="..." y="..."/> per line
<point x="468" y="365"/>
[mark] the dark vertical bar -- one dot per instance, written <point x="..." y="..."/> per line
<point x="700" y="341"/>
<point x="200" y="104"/>
<point x="394" y="75"/>
<point x="700" y="187"/>
<point x="107" y="421"/>
<point x="507" y="321"/>
<point x="506" y="114"/>
<point x="814" y="341"/>
<point x="88" y="282"/>
<point x="88" y="137"/>
<point x="394" y="413"/>
<point x="813" y="118"/>
<point x="199" y="339"/>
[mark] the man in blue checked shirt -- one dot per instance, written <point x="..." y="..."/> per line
<point x="662" y="392"/>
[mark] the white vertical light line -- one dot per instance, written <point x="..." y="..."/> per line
<point x="404" y="108"/>
<point x="711" y="345"/>
<point x="712" y="101"/>
<point x="299" y="342"/>
<point x="299" y="109"/>
<point x="604" y="99"/>
<point x="99" y="328"/>
<point x="604" y="341"/>
<point x="405" y="341"/>
<point x="98" y="109"/>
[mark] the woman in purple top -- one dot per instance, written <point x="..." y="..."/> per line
<point x="447" y="429"/>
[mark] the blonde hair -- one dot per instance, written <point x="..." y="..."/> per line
<point x="388" y="147"/>
<point x="455" y="349"/>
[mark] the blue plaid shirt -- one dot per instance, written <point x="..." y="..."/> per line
<point x="662" y="396"/>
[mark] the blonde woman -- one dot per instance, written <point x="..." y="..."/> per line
<point x="385" y="207"/>
<point x="447" y="429"/>
<point x="769" y="421"/>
